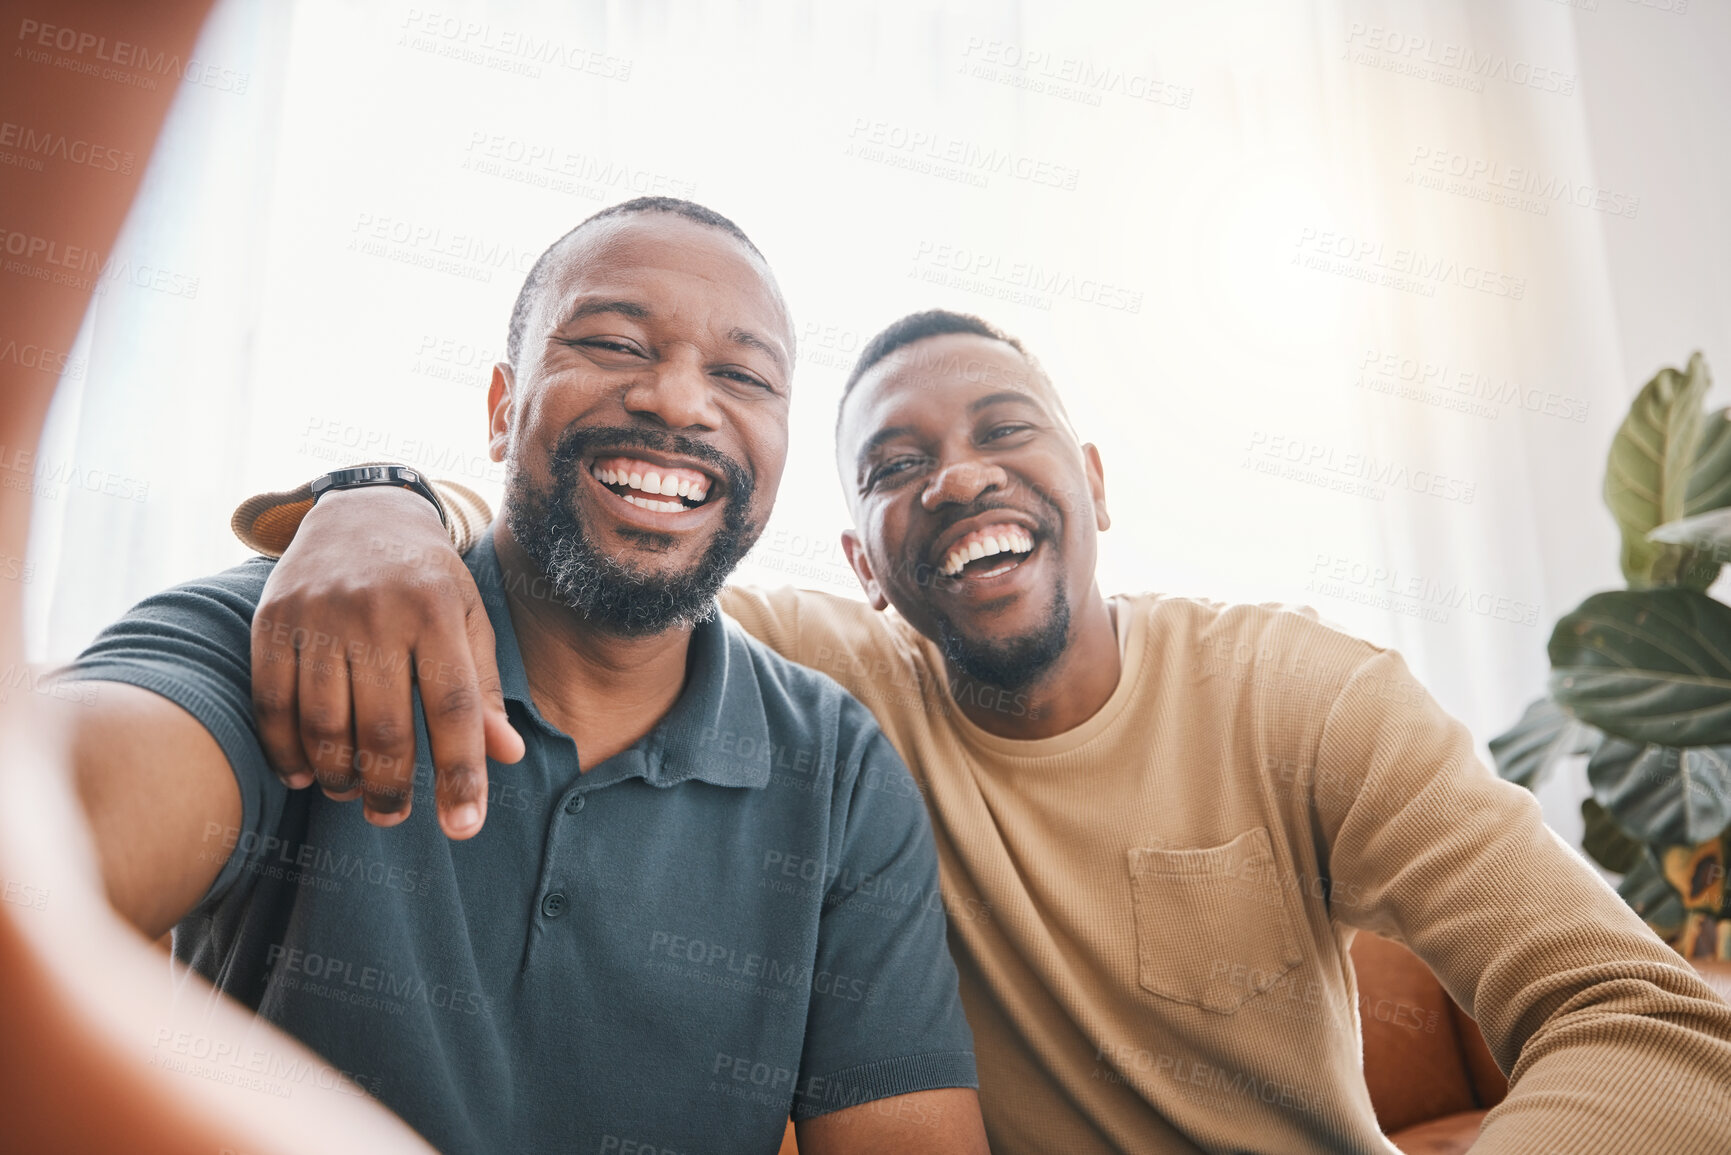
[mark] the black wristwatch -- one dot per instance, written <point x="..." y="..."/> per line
<point x="364" y="475"/>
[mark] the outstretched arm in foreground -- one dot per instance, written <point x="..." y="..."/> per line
<point x="94" y="1033"/>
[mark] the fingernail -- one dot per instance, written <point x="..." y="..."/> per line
<point x="465" y="815"/>
<point x="298" y="781"/>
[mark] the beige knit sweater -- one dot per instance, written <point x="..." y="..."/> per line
<point x="1151" y="912"/>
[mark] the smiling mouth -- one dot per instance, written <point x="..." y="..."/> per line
<point x="987" y="552"/>
<point x="657" y="488"/>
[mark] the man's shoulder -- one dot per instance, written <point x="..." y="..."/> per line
<point x="238" y="585"/>
<point x="1272" y="636"/>
<point x="215" y="610"/>
<point x="783" y="615"/>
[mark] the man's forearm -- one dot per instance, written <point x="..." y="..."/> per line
<point x="946" y="1121"/>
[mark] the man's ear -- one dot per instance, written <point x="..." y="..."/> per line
<point x="501" y="408"/>
<point x="1097" y="485"/>
<point x="862" y="569"/>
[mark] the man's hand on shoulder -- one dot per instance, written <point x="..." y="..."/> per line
<point x="369" y="601"/>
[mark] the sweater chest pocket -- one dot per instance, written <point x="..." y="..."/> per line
<point x="1212" y="925"/>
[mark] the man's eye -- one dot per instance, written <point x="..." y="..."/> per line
<point x="999" y="432"/>
<point x="745" y="378"/>
<point x="890" y="469"/>
<point x="608" y="345"/>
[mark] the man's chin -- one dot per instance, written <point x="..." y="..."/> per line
<point x="1008" y="658"/>
<point x="627" y="589"/>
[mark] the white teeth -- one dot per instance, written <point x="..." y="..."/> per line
<point x="656" y="506"/>
<point x="655" y="482"/>
<point x="986" y="545"/>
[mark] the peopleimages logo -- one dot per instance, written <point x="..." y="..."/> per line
<point x="1022" y="281"/>
<point x="326" y="977"/>
<point x="933" y="152"/>
<point x="1068" y="77"/>
<point x="1362" y="258"/>
<point x="549" y="164"/>
<point x="45" y="145"/>
<point x="1452" y="386"/>
<point x="1517" y="186"/>
<point x="1416" y="595"/>
<point x="1447" y="62"/>
<point x="120" y="60"/>
<point x="1358" y="473"/>
<point x="503" y="49"/>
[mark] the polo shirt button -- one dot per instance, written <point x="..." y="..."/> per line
<point x="574" y="804"/>
<point x="553" y="905"/>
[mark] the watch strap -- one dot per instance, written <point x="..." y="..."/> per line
<point x="363" y="476"/>
<point x="265" y="523"/>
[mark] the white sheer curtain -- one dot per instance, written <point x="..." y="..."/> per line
<point x="1350" y="294"/>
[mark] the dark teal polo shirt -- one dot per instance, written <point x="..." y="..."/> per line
<point x="734" y="920"/>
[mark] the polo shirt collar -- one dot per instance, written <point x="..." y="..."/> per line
<point x="717" y="730"/>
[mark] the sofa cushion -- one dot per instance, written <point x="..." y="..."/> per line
<point x="1490" y="1085"/>
<point x="1413" y="1061"/>
<point x="1450" y="1135"/>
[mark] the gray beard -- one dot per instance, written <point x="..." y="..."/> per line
<point x="614" y="597"/>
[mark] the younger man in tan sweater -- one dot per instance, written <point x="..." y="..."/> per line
<point x="1159" y="820"/>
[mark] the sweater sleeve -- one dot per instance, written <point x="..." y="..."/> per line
<point x="1612" y="1043"/>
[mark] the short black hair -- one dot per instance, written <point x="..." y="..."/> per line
<point x="936" y="323"/>
<point x="690" y="210"/>
<point x="919" y="326"/>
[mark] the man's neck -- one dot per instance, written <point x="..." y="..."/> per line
<point x="1078" y="684"/>
<point x="603" y="690"/>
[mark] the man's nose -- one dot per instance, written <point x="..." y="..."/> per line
<point x="676" y="393"/>
<point x="962" y="483"/>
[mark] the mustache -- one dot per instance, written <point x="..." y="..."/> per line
<point x="577" y="443"/>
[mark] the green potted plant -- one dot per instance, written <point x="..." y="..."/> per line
<point x="1641" y="677"/>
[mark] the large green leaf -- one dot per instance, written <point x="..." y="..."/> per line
<point x="1647" y="477"/>
<point x="1704" y="531"/>
<point x="1605" y="842"/>
<point x="1645" y="890"/>
<point x="1710" y="472"/>
<point x="1663" y="794"/>
<point x="1526" y="751"/>
<point x="1652" y="666"/>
